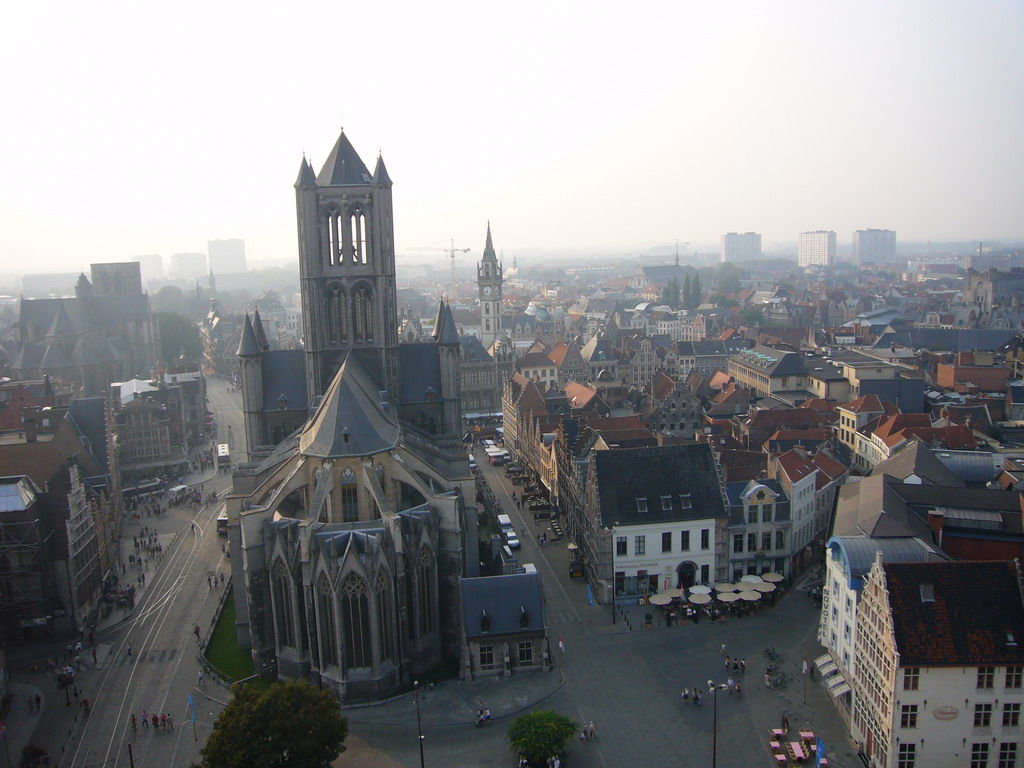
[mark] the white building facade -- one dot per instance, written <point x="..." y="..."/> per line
<point x="874" y="246"/>
<point x="817" y="248"/>
<point x="740" y="246"/>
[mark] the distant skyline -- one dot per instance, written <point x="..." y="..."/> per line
<point x="571" y="127"/>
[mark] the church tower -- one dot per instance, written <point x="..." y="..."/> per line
<point x="488" y="279"/>
<point x="347" y="268"/>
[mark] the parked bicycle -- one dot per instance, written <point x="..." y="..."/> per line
<point x="772" y="654"/>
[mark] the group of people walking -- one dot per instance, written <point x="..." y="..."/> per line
<point x="161" y="722"/>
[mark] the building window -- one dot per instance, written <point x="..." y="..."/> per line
<point x="327" y="619"/>
<point x="1008" y="754"/>
<point x="666" y="541"/>
<point x="666" y="503"/>
<point x="737" y="542"/>
<point x="1011" y="714"/>
<point x="684" y="541"/>
<point x="1013" y="676"/>
<point x="705" y="572"/>
<point x="685" y="501"/>
<point x="620" y="546"/>
<point x="526" y="652"/>
<point x="355" y="619"/>
<point x="907" y="757"/>
<point x="911" y="678"/>
<point x="766" y="513"/>
<point x="986" y="677"/>
<point x="751" y="514"/>
<point x="486" y="655"/>
<point x="979" y="755"/>
<point x="349" y="504"/>
<point x="751" y="542"/>
<point x="705" y="538"/>
<point x="908" y="716"/>
<point x="641" y="505"/>
<point x="982" y="715"/>
<point x="425" y="586"/>
<point x="780" y="539"/>
<point x="640" y="545"/>
<point x="766" y="541"/>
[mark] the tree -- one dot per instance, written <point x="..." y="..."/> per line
<point x="670" y="293"/>
<point x="697" y="292"/>
<point x="540" y="734"/>
<point x="288" y="724"/>
<point x="177" y="332"/>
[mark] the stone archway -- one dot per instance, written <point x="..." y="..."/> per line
<point x="686" y="574"/>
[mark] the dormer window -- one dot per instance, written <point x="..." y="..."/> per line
<point x="686" y="501"/>
<point x="524" y="618"/>
<point x="485" y="622"/>
<point x="666" y="503"/>
<point x="641" y="505"/>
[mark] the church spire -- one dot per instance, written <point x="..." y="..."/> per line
<point x="489" y="254"/>
<point x="380" y="173"/>
<point x="247" y="345"/>
<point x="306" y="176"/>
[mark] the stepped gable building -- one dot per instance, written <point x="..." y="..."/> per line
<point x="105" y="333"/>
<point x="348" y="538"/>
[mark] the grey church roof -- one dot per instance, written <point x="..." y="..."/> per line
<point x="248" y="346"/>
<point x="420" y="369"/>
<point x="502" y="605"/>
<point x="350" y="420"/>
<point x="343" y="166"/>
<point x="956" y="339"/>
<point x="489" y="254"/>
<point x="257" y="328"/>
<point x="684" y="475"/>
<point x="306" y="176"/>
<point x="88" y="416"/>
<point x="473" y="350"/>
<point x="284" y="373"/>
<point x="445" y="330"/>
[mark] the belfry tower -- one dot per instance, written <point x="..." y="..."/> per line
<point x="347" y="268"/>
<point x="488" y="279"/>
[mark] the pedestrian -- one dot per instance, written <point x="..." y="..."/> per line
<point x="722" y="651"/>
<point x="561" y="645"/>
<point x="743" y="666"/>
<point x="135" y="725"/>
<point x="94" y="655"/>
<point x="129" y="649"/>
<point x="39" y="703"/>
<point x="686" y="694"/>
<point x="209" y="582"/>
<point x="222" y="578"/>
<point x="591" y="733"/>
<point x="202" y="674"/>
<point x="145" y="719"/>
<point x="195" y="631"/>
<point x="156" y="721"/>
<point x="732" y="684"/>
<point x="726" y="663"/>
<point x="767" y="680"/>
<point x="163" y="721"/>
<point x="738" y="691"/>
<point x="170" y="721"/>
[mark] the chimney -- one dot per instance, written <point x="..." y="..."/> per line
<point x="28" y="418"/>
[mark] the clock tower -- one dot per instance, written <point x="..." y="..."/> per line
<point x="488" y="279"/>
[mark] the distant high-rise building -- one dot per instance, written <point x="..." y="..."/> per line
<point x="741" y="246"/>
<point x="189" y="265"/>
<point x="152" y="265"/>
<point x="227" y="257"/>
<point x="874" y="246"/>
<point x="121" y="278"/>
<point x="818" y="247"/>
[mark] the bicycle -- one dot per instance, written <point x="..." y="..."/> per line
<point x="772" y="654"/>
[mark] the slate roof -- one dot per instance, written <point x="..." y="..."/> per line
<point x="420" y="369"/>
<point x="772" y="362"/>
<point x="284" y="373"/>
<point x="248" y="346"/>
<point x="343" y="166"/>
<point x="737" y="490"/>
<point x="512" y="603"/>
<point x="350" y="420"/>
<point x="858" y="552"/>
<point x="473" y="350"/>
<point x="380" y="173"/>
<point x="89" y="417"/>
<point x="306" y="177"/>
<point x="947" y="338"/>
<point x="685" y="473"/>
<point x="976" y="617"/>
<point x="792" y="418"/>
<point x="445" y="330"/>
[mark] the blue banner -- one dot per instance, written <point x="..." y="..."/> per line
<point x="192" y="707"/>
<point x="590" y="595"/>
<point x="821" y="753"/>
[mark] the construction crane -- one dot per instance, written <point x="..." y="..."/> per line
<point x="450" y="252"/>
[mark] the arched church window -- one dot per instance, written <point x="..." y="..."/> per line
<point x="357" y="234"/>
<point x="487" y="309"/>
<point x="362" y="309"/>
<point x="349" y="502"/>
<point x="335" y="315"/>
<point x="355" y="615"/>
<point x="327" y="620"/>
<point x="332" y="236"/>
<point x="382" y="593"/>
<point x="281" y="593"/>
<point x="425" y="591"/>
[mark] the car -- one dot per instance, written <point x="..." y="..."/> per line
<point x="512" y="540"/>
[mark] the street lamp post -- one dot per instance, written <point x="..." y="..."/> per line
<point x="419" y="726"/>
<point x="714" y="723"/>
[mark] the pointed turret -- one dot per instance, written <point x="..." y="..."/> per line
<point x="306" y="176"/>
<point x="248" y="346"/>
<point x="380" y="173"/>
<point x="83" y="288"/>
<point x="489" y="254"/>
<point x="343" y="166"/>
<point x="445" y="331"/>
<point x="258" y="330"/>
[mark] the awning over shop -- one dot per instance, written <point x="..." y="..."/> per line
<point x="827" y="668"/>
<point x="839" y="690"/>
<point x="821" y="660"/>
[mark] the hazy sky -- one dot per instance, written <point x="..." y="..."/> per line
<point x="136" y="128"/>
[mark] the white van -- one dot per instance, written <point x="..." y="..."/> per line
<point x="472" y="460"/>
<point x="505" y="523"/>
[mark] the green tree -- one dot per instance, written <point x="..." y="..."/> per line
<point x="697" y="294"/>
<point x="670" y="293"/>
<point x="177" y="332"/>
<point x="540" y="734"/>
<point x="289" y="724"/>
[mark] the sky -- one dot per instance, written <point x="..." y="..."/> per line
<point x="586" y="128"/>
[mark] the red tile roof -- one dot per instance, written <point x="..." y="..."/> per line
<point x="796" y="465"/>
<point x="975" y="619"/>
<point x="865" y="404"/>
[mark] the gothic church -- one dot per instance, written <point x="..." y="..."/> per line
<point x="348" y="535"/>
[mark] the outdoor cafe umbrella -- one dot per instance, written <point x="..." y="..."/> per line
<point x="700" y="599"/>
<point x="700" y="589"/>
<point x="728" y="597"/>
<point x="764" y="586"/>
<point x="672" y="592"/>
<point x="661" y="599"/>
<point x="774" y="578"/>
<point x="750" y="597"/>
<point x="751" y="578"/>
<point x="726" y="586"/>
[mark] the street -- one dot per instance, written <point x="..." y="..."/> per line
<point x="162" y="667"/>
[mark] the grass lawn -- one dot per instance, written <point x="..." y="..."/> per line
<point x="223" y="654"/>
